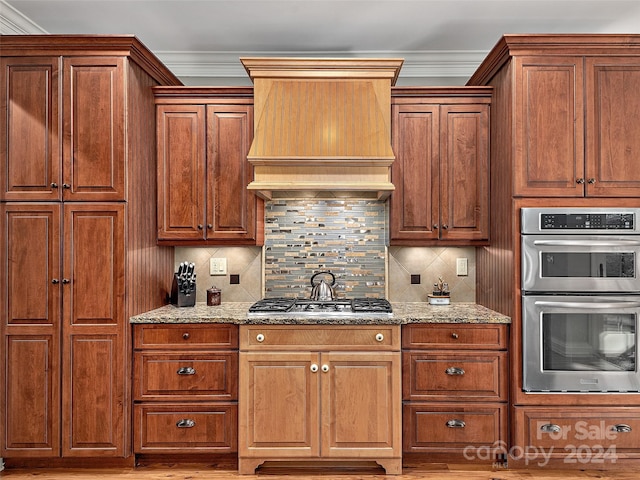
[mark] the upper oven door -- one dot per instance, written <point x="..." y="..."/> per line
<point x="580" y="263"/>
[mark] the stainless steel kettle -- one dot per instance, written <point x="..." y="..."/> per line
<point x="322" y="291"/>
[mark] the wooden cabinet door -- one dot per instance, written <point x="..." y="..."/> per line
<point x="464" y="168"/>
<point x="94" y="355"/>
<point x="414" y="205"/>
<point x="361" y="411"/>
<point x="30" y="302"/>
<point x="181" y="172"/>
<point x="93" y="148"/>
<point x="231" y="208"/>
<point x="279" y="413"/>
<point x="29" y="144"/>
<point x="613" y="126"/>
<point x="549" y="126"/>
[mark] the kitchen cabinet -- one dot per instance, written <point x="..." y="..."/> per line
<point x="576" y="121"/>
<point x="203" y="172"/>
<point x="321" y="393"/>
<point x="185" y="389"/>
<point x="455" y="387"/>
<point x="441" y="172"/>
<point x="78" y="239"/>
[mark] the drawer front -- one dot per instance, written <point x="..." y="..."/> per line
<point x="311" y="337"/>
<point x="185" y="335"/>
<point x="468" y="376"/>
<point x="205" y="376"/>
<point x="186" y="428"/>
<point x="579" y="433"/>
<point x="455" y="336"/>
<point x="440" y="427"/>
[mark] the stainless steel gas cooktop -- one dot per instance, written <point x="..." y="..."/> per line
<point x="275" y="307"/>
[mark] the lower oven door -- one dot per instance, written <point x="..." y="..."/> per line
<point x="580" y="343"/>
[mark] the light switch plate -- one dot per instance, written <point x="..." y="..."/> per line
<point x="217" y="266"/>
<point x="461" y="267"/>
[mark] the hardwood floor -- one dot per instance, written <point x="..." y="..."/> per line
<point x="432" y="471"/>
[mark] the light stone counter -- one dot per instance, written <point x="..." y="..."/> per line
<point x="403" y="313"/>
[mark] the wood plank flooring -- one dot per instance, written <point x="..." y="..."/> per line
<point x="410" y="472"/>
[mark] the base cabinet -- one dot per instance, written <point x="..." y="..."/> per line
<point x="185" y="389"/>
<point x="321" y="394"/>
<point x="455" y="388"/>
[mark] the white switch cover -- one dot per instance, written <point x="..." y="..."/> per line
<point x="217" y="266"/>
<point x="461" y="267"/>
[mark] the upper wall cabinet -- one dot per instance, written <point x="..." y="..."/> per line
<point x="441" y="172"/>
<point x="64" y="132"/>
<point x="572" y="107"/>
<point x="204" y="135"/>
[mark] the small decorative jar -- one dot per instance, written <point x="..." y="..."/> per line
<point x="213" y="296"/>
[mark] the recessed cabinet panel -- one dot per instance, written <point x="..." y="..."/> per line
<point x="29" y="148"/>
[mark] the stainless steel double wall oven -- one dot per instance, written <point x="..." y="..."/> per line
<point x="580" y="299"/>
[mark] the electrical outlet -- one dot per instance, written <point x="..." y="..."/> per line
<point x="461" y="267"/>
<point x="217" y="266"/>
<point x="415" y="279"/>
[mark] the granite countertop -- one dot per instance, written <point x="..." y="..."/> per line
<point x="403" y="313"/>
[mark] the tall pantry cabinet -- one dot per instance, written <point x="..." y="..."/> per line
<point x="79" y="254"/>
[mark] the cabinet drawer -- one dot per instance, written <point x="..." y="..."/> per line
<point x="597" y="434"/>
<point x="314" y="338"/>
<point x="207" y="375"/>
<point x="186" y="428"/>
<point x="455" y="336"/>
<point x="185" y="335"/>
<point x="470" y="376"/>
<point x="437" y="427"/>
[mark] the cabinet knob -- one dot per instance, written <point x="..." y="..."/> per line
<point x="456" y="423"/>
<point x="591" y="181"/>
<point x="66" y="185"/>
<point x="260" y="337"/>
<point x="186" y="371"/>
<point x="200" y="227"/>
<point x="621" y="428"/>
<point x="550" y="428"/>
<point x="445" y="226"/>
<point x="454" y="371"/>
<point x="54" y="185"/>
<point x="580" y="181"/>
<point x="209" y="226"/>
<point x="435" y="226"/>
<point x="455" y="335"/>
<point x="314" y="368"/>
<point x="186" y="423"/>
<point x="379" y="337"/>
<point x="325" y="368"/>
<point x="186" y="336"/>
<point x="55" y="281"/>
<point x="66" y="281"/>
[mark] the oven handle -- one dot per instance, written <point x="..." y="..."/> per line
<point x="587" y="305"/>
<point x="587" y="243"/>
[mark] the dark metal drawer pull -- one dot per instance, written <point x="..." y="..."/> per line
<point x="186" y="371"/>
<point x="186" y="423"/>
<point x="456" y="424"/>
<point x="622" y="428"/>
<point x="454" y="371"/>
<point x="551" y="428"/>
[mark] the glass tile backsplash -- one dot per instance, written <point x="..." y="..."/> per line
<point x="344" y="236"/>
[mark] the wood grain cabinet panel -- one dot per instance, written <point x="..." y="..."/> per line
<point x="325" y="402"/>
<point x="185" y="388"/>
<point x="455" y="387"/>
<point x="441" y="171"/>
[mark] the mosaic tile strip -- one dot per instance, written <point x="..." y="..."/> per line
<point x="344" y="236"/>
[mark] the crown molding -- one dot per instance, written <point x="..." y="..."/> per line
<point x="417" y="64"/>
<point x="12" y="22"/>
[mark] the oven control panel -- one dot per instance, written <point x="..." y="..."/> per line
<point x="597" y="221"/>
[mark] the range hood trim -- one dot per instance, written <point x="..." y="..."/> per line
<point x="349" y="98"/>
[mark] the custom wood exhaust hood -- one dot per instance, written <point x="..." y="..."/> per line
<point x="322" y="125"/>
